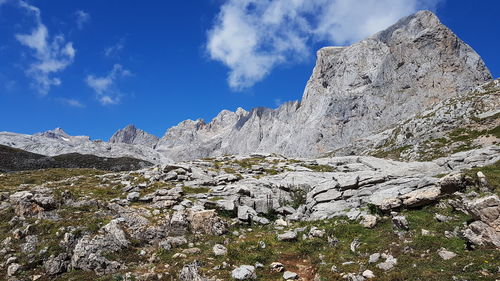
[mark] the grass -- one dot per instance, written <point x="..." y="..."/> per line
<point x="492" y="173"/>
<point x="195" y="190"/>
<point x="320" y="168"/>
<point x="13" y="180"/>
<point x="391" y="153"/>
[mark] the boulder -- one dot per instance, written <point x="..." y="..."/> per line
<point x="244" y="272"/>
<point x="369" y="221"/>
<point x="219" y="250"/>
<point x="388" y="264"/>
<point x="452" y="182"/>
<point x="289" y="275"/>
<point x="207" y="222"/>
<point x="486" y="209"/>
<point x="445" y="254"/>
<point x="88" y="252"/>
<point x="400" y="222"/>
<point x="480" y="233"/>
<point x="13" y="269"/>
<point x="287" y="236"/>
<point x="56" y="264"/>
<point x="191" y="272"/>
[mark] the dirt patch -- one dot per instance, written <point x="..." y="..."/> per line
<point x="302" y="266"/>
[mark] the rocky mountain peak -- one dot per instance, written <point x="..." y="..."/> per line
<point x="132" y="135"/>
<point x="56" y="133"/>
<point x="354" y="91"/>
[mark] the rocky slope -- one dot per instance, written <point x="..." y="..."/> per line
<point x="452" y="125"/>
<point x="260" y="216"/>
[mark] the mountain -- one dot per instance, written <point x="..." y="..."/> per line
<point x="131" y="135"/>
<point x="13" y="159"/>
<point x="353" y="92"/>
<point x="354" y="95"/>
<point x="340" y="210"/>
<point x="57" y="142"/>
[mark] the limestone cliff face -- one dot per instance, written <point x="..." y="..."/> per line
<point x="131" y="135"/>
<point x="353" y="92"/>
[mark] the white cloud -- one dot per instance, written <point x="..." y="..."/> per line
<point x="52" y="55"/>
<point x="3" y="2"/>
<point x="105" y="86"/>
<point x="71" y="102"/>
<point x="114" y="51"/>
<point x="251" y="37"/>
<point x="82" y="18"/>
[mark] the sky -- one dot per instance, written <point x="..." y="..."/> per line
<point x="92" y="67"/>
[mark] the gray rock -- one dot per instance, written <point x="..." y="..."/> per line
<point x="219" y="250"/>
<point x="191" y="272"/>
<point x="388" y="264"/>
<point x="481" y="233"/>
<point x="369" y="221"/>
<point x="56" y="264"/>
<point x="368" y="274"/>
<point x="244" y="272"/>
<point x="207" y="222"/>
<point x="246" y="213"/>
<point x="374" y="258"/>
<point x="87" y="254"/>
<point x="289" y="275"/>
<point x="442" y="218"/>
<point x="133" y="196"/>
<point x="445" y="254"/>
<point x="13" y="269"/>
<point x="486" y="209"/>
<point x="400" y="222"/>
<point x="176" y="241"/>
<point x="277" y="267"/>
<point x="287" y="236"/>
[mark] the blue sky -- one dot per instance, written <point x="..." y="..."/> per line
<point x="94" y="66"/>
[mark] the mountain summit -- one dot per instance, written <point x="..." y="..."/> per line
<point x="354" y="91"/>
<point x="131" y="135"/>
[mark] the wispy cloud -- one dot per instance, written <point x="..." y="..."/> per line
<point x="105" y="86"/>
<point x="82" y="18"/>
<point x="251" y="37"/>
<point x="115" y="50"/>
<point x="3" y="2"/>
<point x="51" y="55"/>
<point x="71" y="102"/>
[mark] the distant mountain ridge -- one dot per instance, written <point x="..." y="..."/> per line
<point x="13" y="159"/>
<point x="354" y="92"/>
